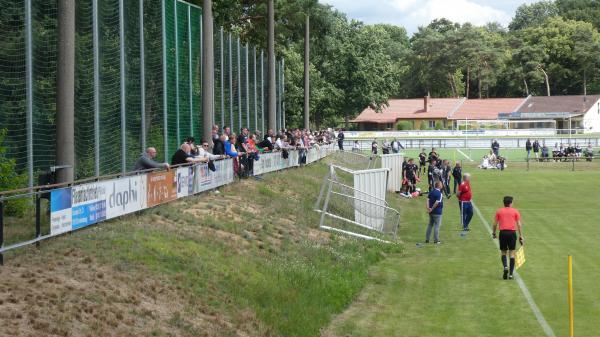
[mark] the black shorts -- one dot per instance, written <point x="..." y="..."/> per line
<point x="508" y="240"/>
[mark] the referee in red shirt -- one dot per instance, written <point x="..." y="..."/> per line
<point x="509" y="221"/>
<point x="464" y="199"/>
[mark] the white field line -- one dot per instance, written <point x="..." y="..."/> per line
<point x="464" y="154"/>
<point x="536" y="311"/>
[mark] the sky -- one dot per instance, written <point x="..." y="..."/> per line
<point x="414" y="13"/>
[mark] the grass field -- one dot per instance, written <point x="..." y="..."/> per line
<point x="250" y="262"/>
<point x="456" y="289"/>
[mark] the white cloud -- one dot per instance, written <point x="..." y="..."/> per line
<point x="414" y="13"/>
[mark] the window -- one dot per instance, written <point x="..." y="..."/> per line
<point x="432" y="124"/>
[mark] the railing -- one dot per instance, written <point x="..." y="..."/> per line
<point x="72" y="206"/>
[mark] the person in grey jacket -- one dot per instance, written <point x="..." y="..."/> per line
<point x="147" y="162"/>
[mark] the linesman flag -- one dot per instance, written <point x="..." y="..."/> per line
<point x="520" y="257"/>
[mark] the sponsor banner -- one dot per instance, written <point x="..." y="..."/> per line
<point x="88" y="204"/>
<point x="185" y="181"/>
<point x="125" y="195"/>
<point x="60" y="211"/>
<point x="205" y="179"/>
<point x="270" y="162"/>
<point x="312" y="155"/>
<point x="161" y="187"/>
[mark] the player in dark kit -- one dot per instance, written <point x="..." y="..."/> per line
<point x="508" y="219"/>
<point x="433" y="174"/>
<point x="433" y="155"/>
<point x="410" y="174"/>
<point x="422" y="162"/>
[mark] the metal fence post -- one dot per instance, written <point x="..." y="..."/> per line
<point x="230" y="84"/>
<point x="283" y="93"/>
<point x="255" y="98"/>
<point x="142" y="75"/>
<point x="165" y="78"/>
<point x="96" y="46"/>
<point x="123" y="89"/>
<point x="190" y="83"/>
<point x="222" y="79"/>
<point x="177" y="73"/>
<point x="38" y="222"/>
<point x="1" y="231"/>
<point x="262" y="91"/>
<point x="29" y="90"/>
<point x="239" y="81"/>
<point x="247" y="89"/>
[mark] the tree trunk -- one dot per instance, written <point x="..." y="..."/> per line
<point x="526" y="86"/>
<point x="479" y="83"/>
<point x="451" y="82"/>
<point x="467" y="84"/>
<point x="584" y="83"/>
<point x="547" y="80"/>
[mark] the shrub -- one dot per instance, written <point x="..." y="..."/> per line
<point x="439" y="125"/>
<point x="404" y="125"/>
<point x="10" y="180"/>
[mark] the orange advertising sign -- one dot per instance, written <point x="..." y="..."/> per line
<point x="162" y="188"/>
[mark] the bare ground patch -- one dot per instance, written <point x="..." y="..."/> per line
<point x="76" y="296"/>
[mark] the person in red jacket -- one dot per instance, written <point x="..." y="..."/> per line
<point x="464" y="200"/>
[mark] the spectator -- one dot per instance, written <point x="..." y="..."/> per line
<point x="528" y="148"/>
<point x="184" y="156"/>
<point x="545" y="154"/>
<point x="215" y="133"/>
<point x="435" y="205"/>
<point x="589" y="153"/>
<point x="146" y="161"/>
<point x="446" y="171"/>
<point x="356" y="146"/>
<point x="496" y="147"/>
<point x="374" y="148"/>
<point x="536" y="149"/>
<point x="396" y="146"/>
<point x="386" y="147"/>
<point x="227" y="131"/>
<point x="204" y="153"/>
<point x="219" y="145"/>
<point x="230" y="150"/>
<point x="457" y="175"/>
<point x="340" y="138"/>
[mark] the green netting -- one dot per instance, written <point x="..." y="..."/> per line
<point x="84" y="90"/>
<point x="13" y="80"/>
<point x="162" y="82"/>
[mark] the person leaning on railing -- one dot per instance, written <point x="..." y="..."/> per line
<point x="204" y="153"/>
<point x="185" y="156"/>
<point x="147" y="162"/>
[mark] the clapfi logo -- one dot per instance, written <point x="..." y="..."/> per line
<point x="123" y="193"/>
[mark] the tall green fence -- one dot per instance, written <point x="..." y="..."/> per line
<point x="138" y="82"/>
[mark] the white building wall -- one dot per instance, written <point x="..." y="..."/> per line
<point x="591" y="119"/>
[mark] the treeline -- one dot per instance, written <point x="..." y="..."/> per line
<point x="550" y="47"/>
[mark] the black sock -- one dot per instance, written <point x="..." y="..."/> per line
<point x="512" y="265"/>
<point x="503" y="258"/>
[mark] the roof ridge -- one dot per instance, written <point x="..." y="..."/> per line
<point x="455" y="109"/>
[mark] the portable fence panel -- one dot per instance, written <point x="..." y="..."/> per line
<point x="393" y="162"/>
<point x="370" y="192"/>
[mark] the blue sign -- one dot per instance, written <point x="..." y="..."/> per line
<point x="60" y="199"/>
<point x="89" y="214"/>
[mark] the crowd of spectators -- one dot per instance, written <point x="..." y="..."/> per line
<point x="560" y="151"/>
<point x="245" y="148"/>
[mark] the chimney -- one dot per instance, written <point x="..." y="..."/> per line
<point x="426" y="103"/>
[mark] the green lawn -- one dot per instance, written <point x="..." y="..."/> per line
<point x="456" y="289"/>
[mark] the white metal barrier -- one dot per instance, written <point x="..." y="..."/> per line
<point x="393" y="162"/>
<point x="362" y="205"/>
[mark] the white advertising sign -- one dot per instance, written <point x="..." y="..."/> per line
<point x="125" y="195"/>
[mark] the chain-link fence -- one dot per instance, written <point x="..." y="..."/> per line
<point x="138" y="82"/>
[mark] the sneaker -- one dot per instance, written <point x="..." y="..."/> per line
<point x="438" y="242"/>
<point x="466" y="229"/>
<point x="505" y="274"/>
<point x="426" y="241"/>
<point x="510" y="277"/>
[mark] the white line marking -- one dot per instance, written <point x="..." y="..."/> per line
<point x="536" y="311"/>
<point x="464" y="154"/>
